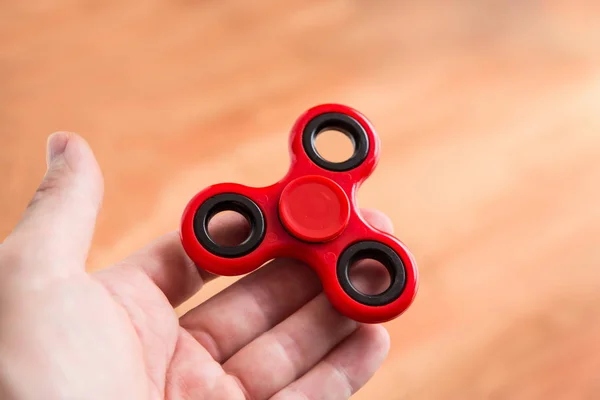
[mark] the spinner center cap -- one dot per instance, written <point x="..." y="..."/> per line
<point x="314" y="208"/>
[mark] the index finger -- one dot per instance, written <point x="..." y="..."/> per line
<point x="165" y="264"/>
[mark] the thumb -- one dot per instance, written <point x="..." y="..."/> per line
<point x="58" y="224"/>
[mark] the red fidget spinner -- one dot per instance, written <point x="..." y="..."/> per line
<point x="311" y="215"/>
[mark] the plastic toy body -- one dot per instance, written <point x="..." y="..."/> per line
<point x="311" y="214"/>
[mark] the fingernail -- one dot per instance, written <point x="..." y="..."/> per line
<point x="56" y="145"/>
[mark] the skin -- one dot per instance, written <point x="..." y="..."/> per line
<point x="114" y="334"/>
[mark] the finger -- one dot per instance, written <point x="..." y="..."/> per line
<point x="345" y="370"/>
<point x="254" y="304"/>
<point x="165" y="264"/>
<point x="160" y="268"/>
<point x="290" y="349"/>
<point x="378" y="220"/>
<point x="228" y="321"/>
<point x="58" y="224"/>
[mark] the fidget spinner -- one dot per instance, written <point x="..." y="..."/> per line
<point x="311" y="215"/>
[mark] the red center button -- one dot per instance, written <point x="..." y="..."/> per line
<point x="314" y="208"/>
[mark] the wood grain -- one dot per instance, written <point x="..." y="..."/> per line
<point x="489" y="115"/>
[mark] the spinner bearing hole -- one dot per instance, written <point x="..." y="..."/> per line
<point x="229" y="228"/>
<point x="370" y="260"/>
<point x="369" y="276"/>
<point x="334" y="145"/>
<point x="345" y="138"/>
<point x="237" y="225"/>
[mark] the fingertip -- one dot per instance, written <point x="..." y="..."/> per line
<point x="79" y="151"/>
<point x="71" y="146"/>
<point x="374" y="340"/>
<point x="378" y="220"/>
<point x="381" y="338"/>
<point x="56" y="145"/>
<point x="80" y="158"/>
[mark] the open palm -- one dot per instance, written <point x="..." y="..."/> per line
<point x="114" y="334"/>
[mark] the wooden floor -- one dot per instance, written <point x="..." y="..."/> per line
<point x="489" y="115"/>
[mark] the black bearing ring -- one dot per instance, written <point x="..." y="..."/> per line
<point x="229" y="202"/>
<point x="385" y="255"/>
<point x="345" y="124"/>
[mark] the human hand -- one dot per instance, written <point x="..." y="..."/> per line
<point x="114" y="334"/>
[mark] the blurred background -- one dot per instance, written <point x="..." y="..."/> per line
<point x="489" y="116"/>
